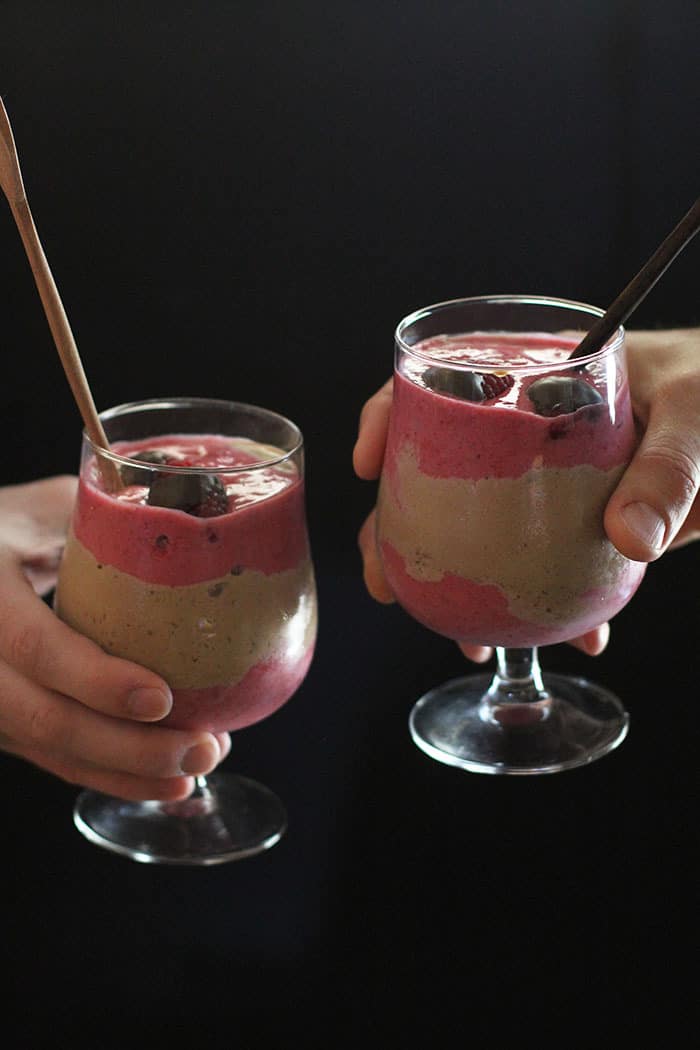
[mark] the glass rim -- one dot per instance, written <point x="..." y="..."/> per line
<point x="609" y="347"/>
<point x="129" y="407"/>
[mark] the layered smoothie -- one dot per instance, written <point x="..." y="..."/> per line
<point x="199" y="569"/>
<point x="490" y="515"/>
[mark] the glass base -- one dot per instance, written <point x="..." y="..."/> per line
<point x="227" y="818"/>
<point x="575" y="723"/>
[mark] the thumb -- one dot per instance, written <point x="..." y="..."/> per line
<point x="656" y="492"/>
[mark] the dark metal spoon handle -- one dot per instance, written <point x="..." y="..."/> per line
<point x="630" y="297"/>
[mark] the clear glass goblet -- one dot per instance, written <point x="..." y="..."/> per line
<point x="194" y="562"/>
<point x="501" y="456"/>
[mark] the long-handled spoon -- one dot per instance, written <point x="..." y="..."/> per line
<point x="631" y="296"/>
<point x="13" y="188"/>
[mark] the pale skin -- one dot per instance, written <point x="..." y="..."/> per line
<point x="64" y="704"/>
<point x="654" y="508"/>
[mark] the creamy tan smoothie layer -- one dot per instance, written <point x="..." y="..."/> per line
<point x="511" y="533"/>
<point x="197" y="635"/>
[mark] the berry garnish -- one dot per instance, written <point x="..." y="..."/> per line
<point x="470" y="386"/>
<point x="135" y="476"/>
<point x="214" y="502"/>
<point x="451" y="381"/>
<point x="495" y="385"/>
<point x="202" y="495"/>
<point x="560" y="395"/>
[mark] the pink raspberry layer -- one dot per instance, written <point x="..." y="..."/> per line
<point x="478" y="613"/>
<point x="220" y="708"/>
<point x="454" y="438"/>
<point x="163" y="546"/>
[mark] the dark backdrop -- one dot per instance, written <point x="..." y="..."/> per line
<point x="241" y="200"/>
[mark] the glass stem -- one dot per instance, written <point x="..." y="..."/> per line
<point x="517" y="692"/>
<point x="202" y="800"/>
<point x="201" y="788"/>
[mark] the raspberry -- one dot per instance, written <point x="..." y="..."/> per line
<point x="215" y="500"/>
<point x="470" y="386"/>
<point x="494" y="385"/>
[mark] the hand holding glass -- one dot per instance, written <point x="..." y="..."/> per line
<point x="197" y="565"/>
<point x="501" y="456"/>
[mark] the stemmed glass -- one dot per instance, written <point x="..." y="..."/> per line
<point x="501" y="456"/>
<point x="196" y="564"/>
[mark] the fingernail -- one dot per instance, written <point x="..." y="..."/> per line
<point x="595" y="641"/>
<point x="224" y="745"/>
<point x="200" y="759"/>
<point x="482" y="654"/>
<point x="645" y="523"/>
<point x="149" y="704"/>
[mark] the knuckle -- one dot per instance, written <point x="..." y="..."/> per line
<point x="678" y="467"/>
<point x="24" y="646"/>
<point x="46" y="725"/>
<point x="152" y="756"/>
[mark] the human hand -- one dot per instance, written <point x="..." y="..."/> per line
<point x="655" y="505"/>
<point x="65" y="705"/>
<point x="664" y="372"/>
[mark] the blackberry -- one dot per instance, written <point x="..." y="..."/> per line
<point x="452" y="381"/>
<point x="134" y="475"/>
<point x="202" y="495"/>
<point x="560" y="395"/>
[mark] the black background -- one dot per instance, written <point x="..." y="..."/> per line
<point x="241" y="200"/>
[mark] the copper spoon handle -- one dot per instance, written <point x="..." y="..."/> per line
<point x="13" y="188"/>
